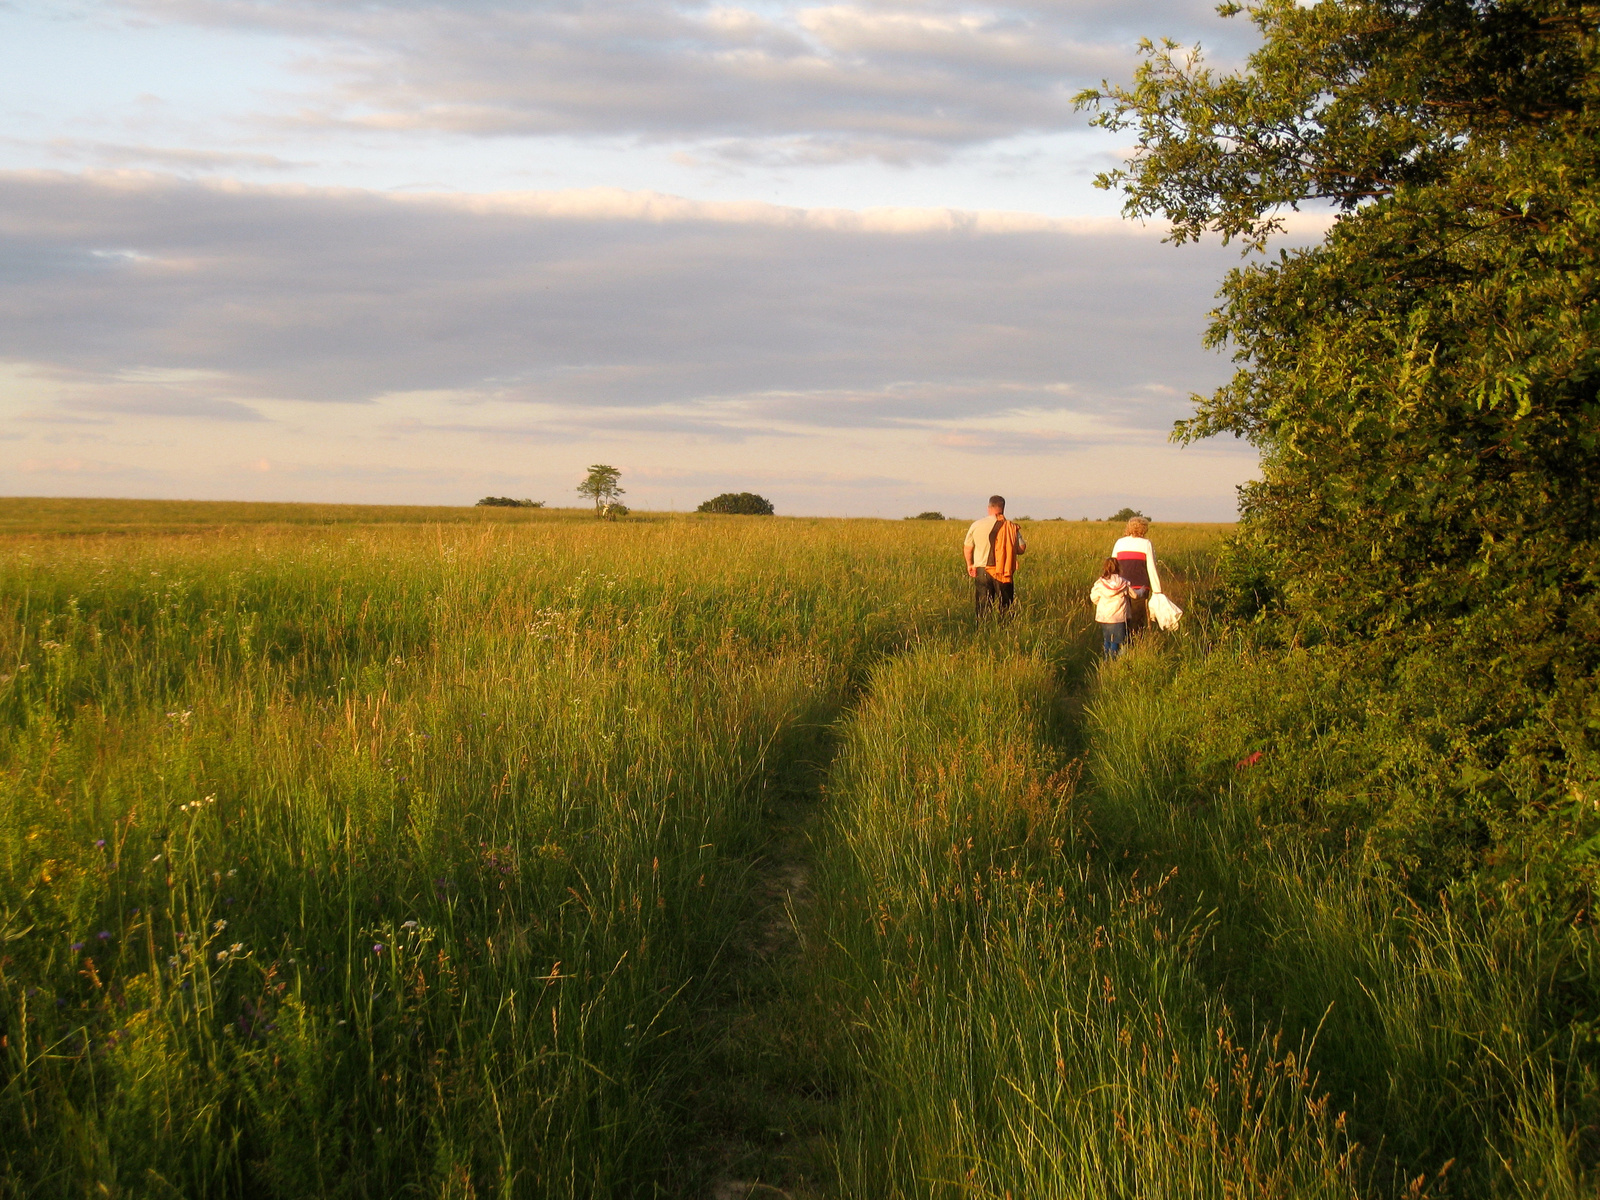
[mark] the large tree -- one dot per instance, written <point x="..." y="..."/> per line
<point x="1422" y="382"/>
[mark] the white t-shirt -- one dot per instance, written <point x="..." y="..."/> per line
<point x="980" y="536"/>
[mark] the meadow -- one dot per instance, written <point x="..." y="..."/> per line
<point x="376" y="852"/>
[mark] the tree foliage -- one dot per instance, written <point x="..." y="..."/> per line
<point x="1127" y="514"/>
<point x="1422" y="382"/>
<point x="603" y="485"/>
<point x="927" y="516"/>
<point x="507" y="502"/>
<point x="738" y="503"/>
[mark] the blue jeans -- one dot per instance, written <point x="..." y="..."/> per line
<point x="1112" y="635"/>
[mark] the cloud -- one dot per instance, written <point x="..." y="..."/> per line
<point x="148" y="403"/>
<point x="592" y="300"/>
<point x="361" y="334"/>
<point x="176" y="158"/>
<point x="899" y="80"/>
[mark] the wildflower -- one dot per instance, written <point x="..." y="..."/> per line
<point x="1248" y="760"/>
<point x="100" y="843"/>
<point x="221" y="954"/>
<point x="232" y="871"/>
<point x="377" y="947"/>
<point x="104" y="935"/>
<point x="218" y="926"/>
<point x="408" y="924"/>
<point x="76" y="946"/>
<point x="235" y="948"/>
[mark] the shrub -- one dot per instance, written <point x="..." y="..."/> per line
<point x="507" y="502"/>
<point x="739" y="503"/>
<point x="1127" y="514"/>
<point x="927" y="516"/>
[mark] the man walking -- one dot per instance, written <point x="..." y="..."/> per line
<point x="992" y="548"/>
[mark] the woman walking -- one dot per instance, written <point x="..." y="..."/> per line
<point x="1111" y="603"/>
<point x="1136" y="561"/>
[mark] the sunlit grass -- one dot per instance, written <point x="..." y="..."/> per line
<point x="368" y="852"/>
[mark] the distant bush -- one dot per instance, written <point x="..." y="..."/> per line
<point x="1127" y="514"/>
<point x="613" y="510"/>
<point x="740" y="503"/>
<point x="507" y="502"/>
<point x="928" y="516"/>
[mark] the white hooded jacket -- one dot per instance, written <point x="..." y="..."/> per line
<point x="1110" y="596"/>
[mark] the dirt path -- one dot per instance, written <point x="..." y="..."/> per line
<point x="767" y="1115"/>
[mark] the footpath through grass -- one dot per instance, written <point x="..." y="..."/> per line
<point x="1077" y="935"/>
<point x="531" y="855"/>
<point x="346" y="859"/>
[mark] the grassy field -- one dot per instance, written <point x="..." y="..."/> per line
<point x="382" y="852"/>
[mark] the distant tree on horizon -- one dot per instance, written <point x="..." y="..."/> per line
<point x="1126" y="514"/>
<point x="603" y="485"/>
<point x="928" y="516"/>
<point x="738" y="504"/>
<point x="507" y="502"/>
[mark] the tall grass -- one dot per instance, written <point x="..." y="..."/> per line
<point x="1125" y="955"/>
<point x="357" y="855"/>
<point x="1032" y="1021"/>
<point x="390" y="858"/>
<point x="1455" y="1027"/>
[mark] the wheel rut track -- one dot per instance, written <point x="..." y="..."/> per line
<point x="765" y="1115"/>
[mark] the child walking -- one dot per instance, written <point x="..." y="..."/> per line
<point x="1111" y="607"/>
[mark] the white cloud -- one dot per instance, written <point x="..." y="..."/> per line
<point x="899" y="80"/>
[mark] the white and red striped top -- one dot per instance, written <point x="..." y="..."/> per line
<point x="1136" y="558"/>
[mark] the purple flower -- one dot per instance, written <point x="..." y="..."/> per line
<point x="76" y="946"/>
<point x="377" y="947"/>
<point x="100" y="843"/>
<point x="104" y="935"/>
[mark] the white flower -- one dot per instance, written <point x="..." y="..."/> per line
<point x="219" y="926"/>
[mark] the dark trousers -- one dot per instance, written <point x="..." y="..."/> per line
<point x="1138" y="610"/>
<point x="989" y="594"/>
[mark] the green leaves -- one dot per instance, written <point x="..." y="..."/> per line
<point x="1421" y="382"/>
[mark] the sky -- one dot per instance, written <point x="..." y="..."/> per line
<point x="848" y="256"/>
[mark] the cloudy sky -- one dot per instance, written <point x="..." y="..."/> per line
<point x="419" y="251"/>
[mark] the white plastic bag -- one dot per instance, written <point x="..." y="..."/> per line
<point x="1164" y="612"/>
